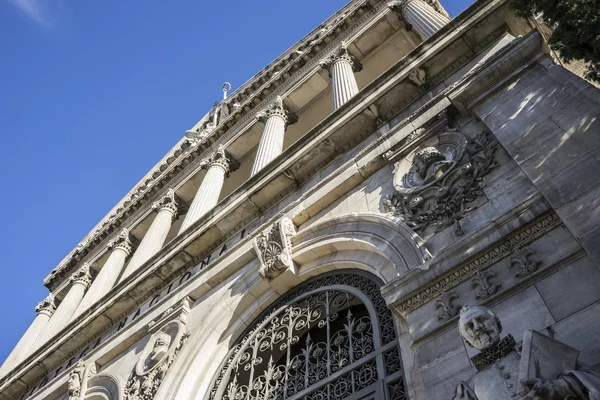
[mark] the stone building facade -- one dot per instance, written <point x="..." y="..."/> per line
<point x="316" y="233"/>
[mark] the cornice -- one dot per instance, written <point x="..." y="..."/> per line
<point x="185" y="155"/>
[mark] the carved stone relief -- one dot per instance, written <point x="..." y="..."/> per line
<point x="441" y="180"/>
<point x="523" y="259"/>
<point x="78" y="379"/>
<point x="168" y="334"/>
<point x="274" y="249"/>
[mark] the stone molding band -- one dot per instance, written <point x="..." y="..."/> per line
<point x="453" y="278"/>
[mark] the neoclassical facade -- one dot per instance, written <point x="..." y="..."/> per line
<point x="316" y="233"/>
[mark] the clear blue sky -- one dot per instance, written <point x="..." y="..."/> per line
<point x="94" y="93"/>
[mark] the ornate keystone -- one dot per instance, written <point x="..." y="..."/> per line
<point x="277" y="108"/>
<point x="341" y="55"/>
<point x="274" y="249"/>
<point x="167" y="202"/>
<point x="168" y="335"/>
<point x="82" y="275"/>
<point x="122" y="241"/>
<point x="46" y="306"/>
<point x="222" y="159"/>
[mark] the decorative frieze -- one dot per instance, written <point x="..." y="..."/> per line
<point x="274" y="249"/>
<point x="441" y="180"/>
<point x="467" y="270"/>
<point x="168" y="334"/>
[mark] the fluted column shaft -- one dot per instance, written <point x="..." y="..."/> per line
<point x="423" y="18"/>
<point x="108" y="275"/>
<point x="218" y="166"/>
<point x="24" y="347"/>
<point x="341" y="70"/>
<point x="80" y="281"/>
<point x="276" y="119"/>
<point x="157" y="233"/>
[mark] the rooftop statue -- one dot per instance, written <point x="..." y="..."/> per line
<point x="503" y="367"/>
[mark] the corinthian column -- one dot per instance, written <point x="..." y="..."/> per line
<point x="276" y="119"/>
<point x="218" y="166"/>
<point x="166" y="212"/>
<point x="80" y="281"/>
<point x="44" y="310"/>
<point x="108" y="275"/>
<point x="341" y="68"/>
<point x="422" y="16"/>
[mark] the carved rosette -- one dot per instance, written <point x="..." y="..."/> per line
<point x="168" y="334"/>
<point x="78" y="379"/>
<point x="46" y="306"/>
<point x="167" y="202"/>
<point x="122" y="241"/>
<point x="222" y="159"/>
<point x="441" y="181"/>
<point x="277" y="108"/>
<point x="82" y="275"/>
<point x="274" y="249"/>
<point x="341" y="55"/>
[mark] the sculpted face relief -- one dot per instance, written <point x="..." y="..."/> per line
<point x="480" y="327"/>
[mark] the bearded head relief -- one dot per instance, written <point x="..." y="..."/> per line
<point x="479" y="326"/>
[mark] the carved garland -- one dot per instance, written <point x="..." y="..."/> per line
<point x="452" y="279"/>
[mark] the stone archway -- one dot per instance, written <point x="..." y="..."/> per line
<point x="332" y="337"/>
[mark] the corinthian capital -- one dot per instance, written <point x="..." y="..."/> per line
<point x="82" y="275"/>
<point x="122" y="241"/>
<point x="341" y="55"/>
<point x="221" y="159"/>
<point x="167" y="202"/>
<point x="46" y="306"/>
<point x="277" y="108"/>
<point x="274" y="249"/>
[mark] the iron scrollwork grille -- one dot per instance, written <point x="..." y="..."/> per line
<point x="331" y="338"/>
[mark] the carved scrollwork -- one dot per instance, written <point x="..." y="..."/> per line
<point x="525" y="262"/>
<point x="274" y="249"/>
<point x="440" y="181"/>
<point x="418" y="76"/>
<point x="168" y="335"/>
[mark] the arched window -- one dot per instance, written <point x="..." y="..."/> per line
<point x="331" y="338"/>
